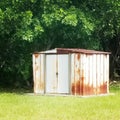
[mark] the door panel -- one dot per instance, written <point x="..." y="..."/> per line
<point x="51" y="86"/>
<point x="57" y="78"/>
<point x="63" y="80"/>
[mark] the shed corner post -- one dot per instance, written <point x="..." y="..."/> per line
<point x="44" y="63"/>
<point x="108" y="73"/>
<point x="33" y="64"/>
<point x="69" y="73"/>
<point x="36" y="72"/>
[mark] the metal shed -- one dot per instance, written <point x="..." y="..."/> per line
<point x="71" y="71"/>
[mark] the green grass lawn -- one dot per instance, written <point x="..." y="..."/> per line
<point x="18" y="106"/>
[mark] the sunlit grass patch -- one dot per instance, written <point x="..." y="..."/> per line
<point x="15" y="106"/>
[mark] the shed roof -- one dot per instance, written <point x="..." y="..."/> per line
<point x="72" y="50"/>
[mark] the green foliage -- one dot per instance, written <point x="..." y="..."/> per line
<point x="33" y="25"/>
<point x="107" y="15"/>
<point x="71" y="17"/>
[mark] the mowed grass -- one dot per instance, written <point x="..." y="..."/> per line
<point x="20" y="106"/>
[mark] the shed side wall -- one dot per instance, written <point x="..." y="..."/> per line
<point x="89" y="74"/>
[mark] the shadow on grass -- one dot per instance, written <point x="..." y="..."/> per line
<point x="16" y="90"/>
<point x="115" y="85"/>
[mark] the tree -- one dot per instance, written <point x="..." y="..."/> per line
<point x="107" y="15"/>
<point x="33" y="25"/>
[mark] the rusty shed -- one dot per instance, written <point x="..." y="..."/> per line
<point x="71" y="71"/>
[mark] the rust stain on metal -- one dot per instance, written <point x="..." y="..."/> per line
<point x="89" y="90"/>
<point x="41" y="85"/>
<point x="77" y="50"/>
<point x="78" y="56"/>
<point x="103" y="88"/>
<point x="78" y="71"/>
<point x="77" y="86"/>
<point x="36" y="55"/>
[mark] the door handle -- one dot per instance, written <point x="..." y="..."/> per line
<point x="57" y="73"/>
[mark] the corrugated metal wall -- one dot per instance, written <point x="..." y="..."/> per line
<point x="75" y="73"/>
<point x="39" y="73"/>
<point x="90" y="74"/>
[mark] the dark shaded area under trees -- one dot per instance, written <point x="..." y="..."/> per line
<point x="34" y="25"/>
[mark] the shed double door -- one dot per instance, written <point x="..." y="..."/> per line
<point x="57" y="73"/>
